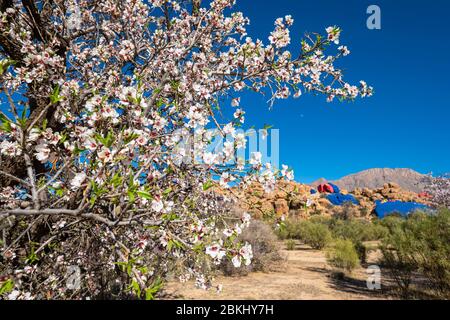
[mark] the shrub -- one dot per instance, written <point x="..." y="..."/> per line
<point x="282" y="233"/>
<point x="398" y="256"/>
<point x="264" y="246"/>
<point x="343" y="255"/>
<point x="290" y="244"/>
<point x="315" y="234"/>
<point x="358" y="230"/>
<point x="290" y="229"/>
<point x="312" y="232"/>
<point x="322" y="220"/>
<point x="421" y="244"/>
<point x="361" y="250"/>
<point x="378" y="231"/>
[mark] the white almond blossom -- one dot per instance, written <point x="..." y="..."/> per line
<point x="42" y="152"/>
<point x="255" y="159"/>
<point x="287" y="173"/>
<point x="10" y="149"/>
<point x="210" y="158"/>
<point x="78" y="180"/>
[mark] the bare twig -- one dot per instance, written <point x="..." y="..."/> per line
<point x="15" y="178"/>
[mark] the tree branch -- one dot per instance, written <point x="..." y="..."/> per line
<point x="15" y="178"/>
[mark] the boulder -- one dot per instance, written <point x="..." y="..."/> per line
<point x="324" y="202"/>
<point x="393" y="185"/>
<point x="296" y="204"/>
<point x="281" y="207"/>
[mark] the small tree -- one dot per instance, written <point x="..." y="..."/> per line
<point x="104" y="142"/>
<point x="343" y="255"/>
<point x="419" y="244"/>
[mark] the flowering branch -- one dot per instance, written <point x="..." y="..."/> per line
<point x="111" y="103"/>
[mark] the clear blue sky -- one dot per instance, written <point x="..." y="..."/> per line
<point x="405" y="124"/>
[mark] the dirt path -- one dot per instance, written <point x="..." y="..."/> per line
<point x="304" y="275"/>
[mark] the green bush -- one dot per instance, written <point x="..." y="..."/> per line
<point x="290" y="229"/>
<point x="319" y="230"/>
<point x="361" y="250"/>
<point x="420" y="244"/>
<point x="317" y="235"/>
<point x="358" y="230"/>
<point x="290" y="244"/>
<point x="322" y="220"/>
<point x="282" y="233"/>
<point x="311" y="232"/>
<point x="343" y="255"/>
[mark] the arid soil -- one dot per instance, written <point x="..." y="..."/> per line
<point x="304" y="275"/>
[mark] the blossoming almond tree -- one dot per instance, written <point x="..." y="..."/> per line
<point x="439" y="190"/>
<point x="96" y="98"/>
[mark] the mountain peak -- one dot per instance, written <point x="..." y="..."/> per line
<point x="373" y="178"/>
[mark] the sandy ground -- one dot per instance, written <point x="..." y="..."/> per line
<point x="304" y="275"/>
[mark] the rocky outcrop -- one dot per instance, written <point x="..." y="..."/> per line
<point x="294" y="199"/>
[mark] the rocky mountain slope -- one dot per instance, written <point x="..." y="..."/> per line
<point x="375" y="178"/>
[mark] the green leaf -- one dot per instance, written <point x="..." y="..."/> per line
<point x="167" y="191"/>
<point x="5" y="122"/>
<point x="144" y="195"/>
<point x="153" y="289"/>
<point x="107" y="141"/>
<point x="136" y="288"/>
<point x="122" y="265"/>
<point x="178" y="244"/>
<point x="198" y="248"/>
<point x="6" y="286"/>
<point x="24" y="115"/>
<point x="151" y="227"/>
<point x="6" y="126"/>
<point x="159" y="103"/>
<point x="55" y="97"/>
<point x="131" y="196"/>
<point x="208" y="185"/>
<point x="4" y="65"/>
<point x="116" y="180"/>
<point x="149" y="295"/>
<point x="63" y="138"/>
<point x="3" y="118"/>
<point x="173" y="243"/>
<point x="169" y="245"/>
<point x="32" y="257"/>
<point x="170" y="216"/>
<point x="130" y="138"/>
